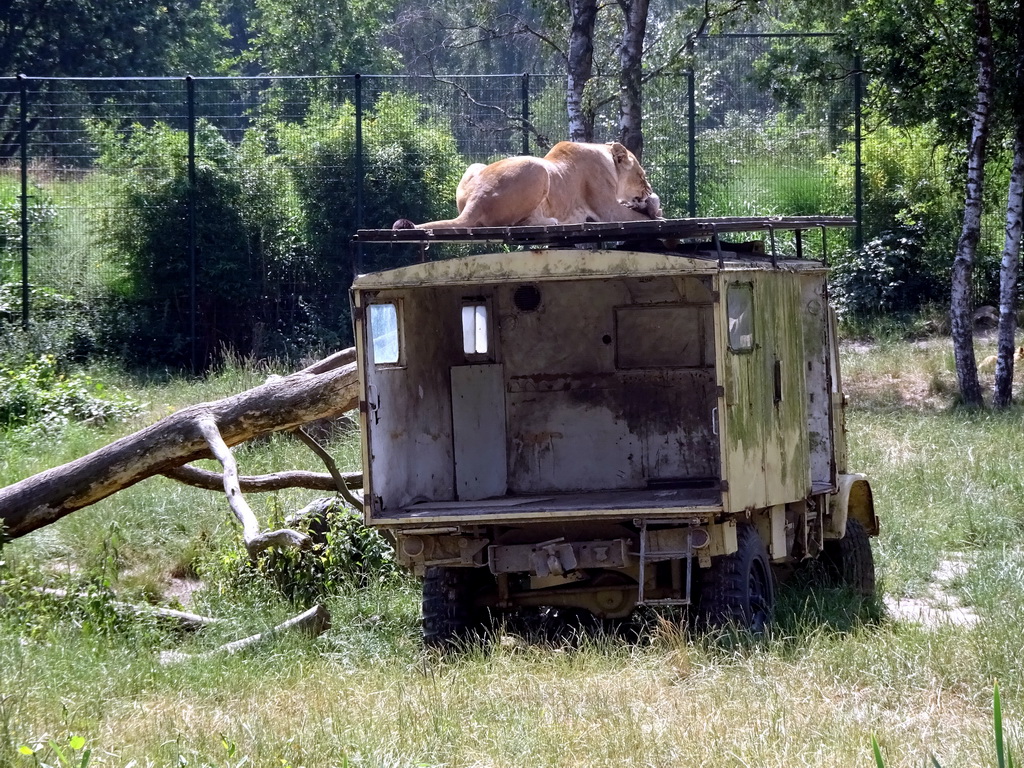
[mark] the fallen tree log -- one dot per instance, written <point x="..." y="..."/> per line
<point x="314" y="622"/>
<point x="184" y="619"/>
<point x="324" y="390"/>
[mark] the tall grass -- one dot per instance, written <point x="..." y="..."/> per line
<point x="830" y="675"/>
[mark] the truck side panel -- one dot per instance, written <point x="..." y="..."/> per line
<point x="765" y="448"/>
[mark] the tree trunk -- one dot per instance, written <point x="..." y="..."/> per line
<point x="1002" y="393"/>
<point x="282" y="404"/>
<point x="631" y="75"/>
<point x="580" y="67"/>
<point x="963" y="264"/>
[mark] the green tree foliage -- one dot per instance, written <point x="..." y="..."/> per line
<point x="317" y="37"/>
<point x="246" y="227"/>
<point x="410" y="170"/>
<point x="100" y="38"/>
<point x="920" y="55"/>
<point x="273" y="217"/>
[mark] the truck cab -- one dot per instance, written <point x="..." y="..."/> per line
<point x="601" y="416"/>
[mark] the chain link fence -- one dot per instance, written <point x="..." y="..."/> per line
<point x="194" y="215"/>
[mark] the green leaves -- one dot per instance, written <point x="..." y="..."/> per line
<point x="71" y="755"/>
<point x="39" y="392"/>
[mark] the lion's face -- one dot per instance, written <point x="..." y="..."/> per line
<point x="633" y="190"/>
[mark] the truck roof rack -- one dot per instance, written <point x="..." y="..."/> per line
<point x="627" y="232"/>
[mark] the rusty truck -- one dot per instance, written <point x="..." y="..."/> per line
<point x="597" y="417"/>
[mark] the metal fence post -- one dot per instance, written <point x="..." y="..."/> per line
<point x="357" y="83"/>
<point x="190" y="97"/>
<point x="23" y="140"/>
<point x="526" y="112"/>
<point x="858" y="165"/>
<point x="691" y="158"/>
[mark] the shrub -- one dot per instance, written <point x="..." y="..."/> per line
<point x="911" y="219"/>
<point x="410" y="170"/>
<point x="345" y="554"/>
<point x="38" y="392"/>
<point x="884" y="276"/>
<point x="148" y="228"/>
<point x="59" y="325"/>
<point x="273" y="219"/>
<point x="42" y="215"/>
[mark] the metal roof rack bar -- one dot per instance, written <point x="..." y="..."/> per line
<point x="597" y="232"/>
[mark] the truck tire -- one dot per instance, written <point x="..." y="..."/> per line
<point x="738" y="590"/>
<point x="451" y="613"/>
<point x="848" y="561"/>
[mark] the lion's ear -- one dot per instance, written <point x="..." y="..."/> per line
<point x="619" y="152"/>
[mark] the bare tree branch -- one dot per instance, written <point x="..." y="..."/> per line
<point x="513" y="120"/>
<point x="214" y="481"/>
<point x="331" y="465"/>
<point x="279" y="405"/>
<point x="184" y="619"/>
<point x="255" y="539"/>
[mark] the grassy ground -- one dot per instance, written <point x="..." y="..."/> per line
<point x="948" y="487"/>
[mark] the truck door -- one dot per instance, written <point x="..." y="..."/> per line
<point x="762" y="405"/>
<point x="478" y="409"/>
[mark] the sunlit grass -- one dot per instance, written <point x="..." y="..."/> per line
<point x="947" y="484"/>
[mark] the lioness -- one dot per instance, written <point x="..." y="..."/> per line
<point x="989" y="363"/>
<point x="571" y="184"/>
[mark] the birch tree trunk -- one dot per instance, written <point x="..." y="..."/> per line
<point x="631" y="75"/>
<point x="581" y="69"/>
<point x="1002" y="393"/>
<point x="963" y="264"/>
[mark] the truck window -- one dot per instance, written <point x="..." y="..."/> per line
<point x="384" y="333"/>
<point x="739" y="301"/>
<point x="475" y="331"/>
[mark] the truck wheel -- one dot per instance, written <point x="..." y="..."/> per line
<point x="450" y="610"/>
<point x="738" y="589"/>
<point x="848" y="561"/>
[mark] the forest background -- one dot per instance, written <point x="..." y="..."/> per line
<point x="166" y="221"/>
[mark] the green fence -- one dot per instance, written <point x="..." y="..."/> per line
<point x="202" y="213"/>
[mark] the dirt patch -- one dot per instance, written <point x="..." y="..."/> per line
<point x="937" y="607"/>
<point x="180" y="590"/>
<point x="886" y="392"/>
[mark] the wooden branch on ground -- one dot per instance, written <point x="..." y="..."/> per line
<point x="313" y="481"/>
<point x="184" y="619"/>
<point x="315" y="622"/>
<point x="324" y="390"/>
<point x="255" y="540"/>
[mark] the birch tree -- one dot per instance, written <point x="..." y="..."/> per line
<point x="580" y="69"/>
<point x="1002" y="394"/>
<point x="961" y="305"/>
<point x="631" y="83"/>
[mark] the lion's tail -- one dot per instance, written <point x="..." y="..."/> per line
<point x="445" y="223"/>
